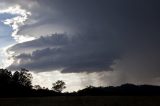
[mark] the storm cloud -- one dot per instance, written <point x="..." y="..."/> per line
<point x="76" y="36"/>
<point x="60" y="52"/>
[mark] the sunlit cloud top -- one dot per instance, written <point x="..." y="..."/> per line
<point x="16" y="22"/>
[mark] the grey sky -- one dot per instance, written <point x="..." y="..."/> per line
<point x="111" y="36"/>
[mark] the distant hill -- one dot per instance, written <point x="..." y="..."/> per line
<point x="124" y="90"/>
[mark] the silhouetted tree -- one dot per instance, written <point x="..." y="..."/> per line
<point x="22" y="78"/>
<point x="59" y="86"/>
<point x="90" y="87"/>
<point x="5" y="78"/>
<point x="37" y="87"/>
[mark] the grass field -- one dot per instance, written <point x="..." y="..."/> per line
<point x="83" y="101"/>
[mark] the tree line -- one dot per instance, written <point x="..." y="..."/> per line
<point x="19" y="83"/>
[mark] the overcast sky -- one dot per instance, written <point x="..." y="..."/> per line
<point x="83" y="42"/>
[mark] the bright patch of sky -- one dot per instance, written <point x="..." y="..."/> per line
<point x="5" y="32"/>
<point x="21" y="16"/>
<point x="5" y="37"/>
<point x="11" y="19"/>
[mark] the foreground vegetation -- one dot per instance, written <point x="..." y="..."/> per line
<point x="83" y="101"/>
<point x="16" y="89"/>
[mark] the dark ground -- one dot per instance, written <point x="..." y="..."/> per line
<point x="83" y="101"/>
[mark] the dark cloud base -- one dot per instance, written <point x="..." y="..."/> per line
<point x="102" y="32"/>
<point x="89" y="53"/>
